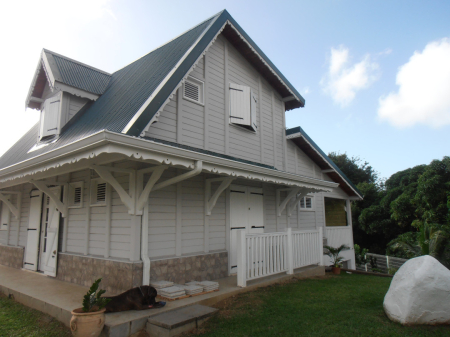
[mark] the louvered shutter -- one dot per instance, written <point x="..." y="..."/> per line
<point x="239" y="104"/>
<point x="49" y="126"/>
<point x="5" y="217"/>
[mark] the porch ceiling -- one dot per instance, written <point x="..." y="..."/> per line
<point x="106" y="146"/>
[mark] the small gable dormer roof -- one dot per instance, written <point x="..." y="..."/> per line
<point x="63" y="73"/>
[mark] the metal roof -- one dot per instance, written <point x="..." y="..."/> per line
<point x="77" y="74"/>
<point x="325" y="160"/>
<point x="127" y="89"/>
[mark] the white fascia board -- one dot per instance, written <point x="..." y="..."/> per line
<point x="298" y="135"/>
<point x="75" y="91"/>
<point x="105" y="142"/>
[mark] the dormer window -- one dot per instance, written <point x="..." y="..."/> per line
<point x="243" y="106"/>
<point x="50" y="115"/>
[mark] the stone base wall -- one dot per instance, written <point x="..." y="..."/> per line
<point x="193" y="268"/>
<point x="117" y="276"/>
<point x="12" y="256"/>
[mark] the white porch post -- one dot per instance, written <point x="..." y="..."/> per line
<point x="290" y="252"/>
<point x="348" y="207"/>
<point x="320" y="246"/>
<point x="241" y="259"/>
<point x="135" y="240"/>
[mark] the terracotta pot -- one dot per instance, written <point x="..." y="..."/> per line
<point x="336" y="270"/>
<point x="87" y="324"/>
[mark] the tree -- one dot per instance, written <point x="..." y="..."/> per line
<point x="355" y="170"/>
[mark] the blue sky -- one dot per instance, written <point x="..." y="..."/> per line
<point x="375" y="74"/>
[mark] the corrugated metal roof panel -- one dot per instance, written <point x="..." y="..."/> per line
<point x="126" y="92"/>
<point x="80" y="76"/>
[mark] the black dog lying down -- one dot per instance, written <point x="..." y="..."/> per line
<point x="139" y="298"/>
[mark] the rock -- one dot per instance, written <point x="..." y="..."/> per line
<point x="419" y="293"/>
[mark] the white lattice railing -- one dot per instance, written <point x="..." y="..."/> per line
<point x="261" y="255"/>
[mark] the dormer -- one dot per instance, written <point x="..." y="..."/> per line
<point x="60" y="88"/>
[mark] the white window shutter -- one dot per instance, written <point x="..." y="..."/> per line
<point x="51" y="116"/>
<point x="253" y="102"/>
<point x="240" y="105"/>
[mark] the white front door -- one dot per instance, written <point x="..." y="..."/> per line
<point x="33" y="231"/>
<point x="49" y="235"/>
<point x="246" y="212"/>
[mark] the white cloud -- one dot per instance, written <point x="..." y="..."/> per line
<point x="344" y="79"/>
<point x="423" y="96"/>
<point x="306" y="91"/>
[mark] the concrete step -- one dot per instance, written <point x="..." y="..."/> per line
<point x="175" y="322"/>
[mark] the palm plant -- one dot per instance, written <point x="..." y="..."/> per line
<point x="430" y="241"/>
<point x="334" y="254"/>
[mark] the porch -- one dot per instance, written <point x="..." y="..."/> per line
<point x="58" y="298"/>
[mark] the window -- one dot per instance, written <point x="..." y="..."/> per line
<point x="243" y="106"/>
<point x="76" y="195"/>
<point x="50" y="115"/>
<point x="306" y="203"/>
<point x="99" y="192"/>
<point x="193" y="90"/>
<point x="5" y="217"/>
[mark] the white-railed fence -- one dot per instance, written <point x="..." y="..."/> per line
<point x="261" y="255"/>
<point x="382" y="262"/>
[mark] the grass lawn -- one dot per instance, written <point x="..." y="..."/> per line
<point x="19" y="320"/>
<point x="344" y="305"/>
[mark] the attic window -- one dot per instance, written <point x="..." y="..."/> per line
<point x="243" y="107"/>
<point x="306" y="203"/>
<point x="193" y="90"/>
<point x="99" y="192"/>
<point x="76" y="194"/>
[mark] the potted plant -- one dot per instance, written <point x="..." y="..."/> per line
<point x="337" y="260"/>
<point x="90" y="319"/>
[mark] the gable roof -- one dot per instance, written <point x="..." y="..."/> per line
<point x="137" y="92"/>
<point x="307" y="145"/>
<point x="57" y="69"/>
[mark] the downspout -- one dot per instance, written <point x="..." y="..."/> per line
<point x="144" y="248"/>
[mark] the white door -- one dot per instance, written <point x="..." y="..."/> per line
<point x="34" y="222"/>
<point x="246" y="212"/>
<point x="49" y="235"/>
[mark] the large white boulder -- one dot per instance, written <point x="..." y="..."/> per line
<point x="419" y="293"/>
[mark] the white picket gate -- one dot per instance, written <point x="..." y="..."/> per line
<point x="261" y="255"/>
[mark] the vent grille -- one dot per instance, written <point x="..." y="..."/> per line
<point x="101" y="192"/>
<point x="192" y="91"/>
<point x="77" y="195"/>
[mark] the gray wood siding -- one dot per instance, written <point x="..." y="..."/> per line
<point x="185" y="122"/>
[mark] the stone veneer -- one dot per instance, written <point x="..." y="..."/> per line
<point x="12" y="256"/>
<point x="117" y="276"/>
<point x="184" y="269"/>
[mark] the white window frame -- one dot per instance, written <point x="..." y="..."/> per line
<point x="198" y="83"/>
<point x="93" y="192"/>
<point x="72" y="187"/>
<point x="304" y="209"/>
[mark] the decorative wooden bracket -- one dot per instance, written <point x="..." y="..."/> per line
<point x="212" y="201"/>
<point x="129" y="200"/>
<point x="196" y="171"/>
<point x="42" y="186"/>
<point x="292" y="193"/>
<point x="293" y="205"/>
<point x="143" y="197"/>
<point x="14" y="209"/>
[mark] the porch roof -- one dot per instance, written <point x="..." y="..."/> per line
<point x="72" y="157"/>
<point x="307" y="145"/>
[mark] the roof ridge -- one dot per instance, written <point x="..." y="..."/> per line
<point x="77" y="62"/>
<point x="176" y="37"/>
